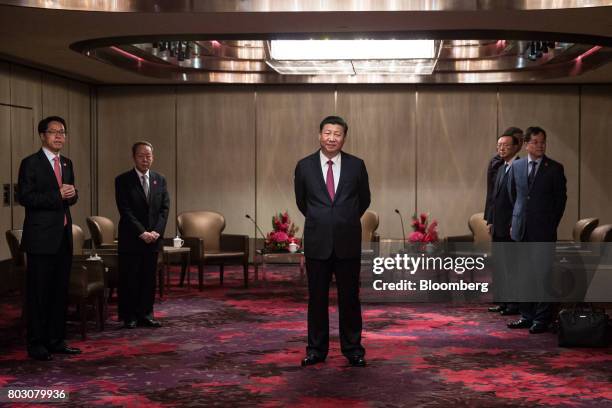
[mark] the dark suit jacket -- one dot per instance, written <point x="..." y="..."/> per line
<point x="332" y="226"/>
<point x="537" y="210"/>
<point x="500" y="216"/>
<point x="492" y="169"/>
<point x="137" y="214"/>
<point x="39" y="193"/>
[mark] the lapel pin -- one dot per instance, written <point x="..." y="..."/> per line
<point x="154" y="182"/>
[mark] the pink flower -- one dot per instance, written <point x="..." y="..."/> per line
<point x="416" y="236"/>
<point x="423" y="218"/>
<point x="281" y="236"/>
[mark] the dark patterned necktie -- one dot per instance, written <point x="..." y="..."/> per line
<point x="532" y="172"/>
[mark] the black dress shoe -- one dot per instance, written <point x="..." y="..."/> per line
<point x="63" y="348"/>
<point x="520" y="324"/>
<point x="538" y="328"/>
<point x="129" y="324"/>
<point x="39" y="353"/>
<point x="357" y="361"/>
<point x="509" y="312"/>
<point x="496" y="309"/>
<point x="311" y="359"/>
<point x="148" y="322"/>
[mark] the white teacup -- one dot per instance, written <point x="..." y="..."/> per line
<point x="293" y="247"/>
<point x="177" y="242"/>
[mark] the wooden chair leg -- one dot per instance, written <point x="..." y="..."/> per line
<point x="201" y="276"/>
<point x="110" y="293"/>
<point x="245" y="269"/>
<point x="221" y="274"/>
<point x="102" y="310"/>
<point x="96" y="307"/>
<point x="183" y="270"/>
<point x="83" y="315"/>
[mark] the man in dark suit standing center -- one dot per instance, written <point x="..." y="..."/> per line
<point x="143" y="204"/>
<point x="332" y="191"/>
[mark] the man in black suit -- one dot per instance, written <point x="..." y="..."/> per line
<point x="500" y="217"/>
<point x="332" y="191"/>
<point x="492" y="172"/>
<point x="46" y="190"/>
<point x="538" y="208"/>
<point x="492" y="168"/>
<point x="143" y="204"/>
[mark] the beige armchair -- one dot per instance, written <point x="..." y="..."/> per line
<point x="202" y="232"/>
<point x="603" y="233"/>
<point x="584" y="228"/>
<point x="78" y="240"/>
<point x="102" y="232"/>
<point x="369" y="225"/>
<point x="479" y="233"/>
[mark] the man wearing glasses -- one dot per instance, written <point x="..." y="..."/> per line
<point x="46" y="190"/>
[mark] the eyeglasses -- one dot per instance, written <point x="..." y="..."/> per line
<point x="537" y="143"/>
<point x="57" y="132"/>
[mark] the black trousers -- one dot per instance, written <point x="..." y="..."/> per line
<point x="47" y="280"/>
<point x="541" y="257"/>
<point x="503" y="257"/>
<point x="136" y="285"/>
<point x="347" y="282"/>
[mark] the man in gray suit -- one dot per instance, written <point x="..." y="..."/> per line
<point x="539" y="202"/>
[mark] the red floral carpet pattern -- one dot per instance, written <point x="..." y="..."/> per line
<point x="233" y="347"/>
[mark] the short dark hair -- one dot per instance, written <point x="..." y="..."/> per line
<point x="532" y="131"/>
<point x="43" y="125"/>
<point x="515" y="140"/>
<point x="140" y="143"/>
<point x="334" y="120"/>
<point x="513" y="131"/>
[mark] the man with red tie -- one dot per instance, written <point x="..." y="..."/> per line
<point x="46" y="190"/>
<point x="332" y="191"/>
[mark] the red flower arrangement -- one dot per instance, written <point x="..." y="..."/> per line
<point x="283" y="233"/>
<point x="423" y="231"/>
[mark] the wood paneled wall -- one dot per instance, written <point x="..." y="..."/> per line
<point x="128" y="115"/>
<point x="215" y="153"/>
<point x="595" y="152"/>
<point x="382" y="131"/>
<point x="26" y="96"/>
<point x="233" y="149"/>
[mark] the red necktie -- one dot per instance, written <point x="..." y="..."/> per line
<point x="58" y="177"/>
<point x="330" y="180"/>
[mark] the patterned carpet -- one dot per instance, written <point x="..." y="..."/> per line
<point x="233" y="347"/>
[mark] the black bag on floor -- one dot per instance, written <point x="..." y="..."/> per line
<point x="582" y="327"/>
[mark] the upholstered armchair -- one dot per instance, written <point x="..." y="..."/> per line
<point x="584" y="228"/>
<point x="87" y="287"/>
<point x="102" y="232"/>
<point x="18" y="259"/>
<point x="18" y="265"/>
<point x="202" y="232"/>
<point x="78" y="240"/>
<point x="369" y="225"/>
<point x="603" y="233"/>
<point x="479" y="236"/>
